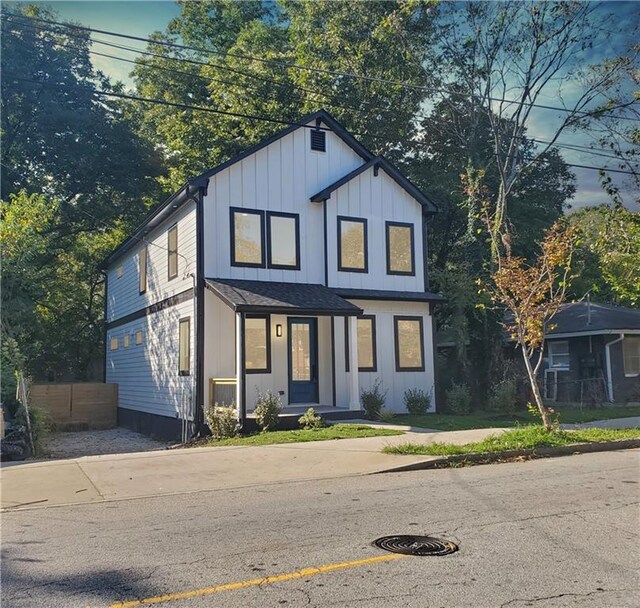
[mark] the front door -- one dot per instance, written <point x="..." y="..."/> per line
<point x="303" y="361"/>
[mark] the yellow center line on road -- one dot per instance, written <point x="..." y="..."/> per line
<point x="267" y="580"/>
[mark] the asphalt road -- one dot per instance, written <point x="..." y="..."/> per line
<point x="556" y="532"/>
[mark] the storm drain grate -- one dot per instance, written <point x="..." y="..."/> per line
<point x="415" y="545"/>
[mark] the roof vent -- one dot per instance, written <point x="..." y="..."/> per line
<point x="318" y="140"/>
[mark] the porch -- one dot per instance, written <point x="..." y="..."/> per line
<point x="285" y="338"/>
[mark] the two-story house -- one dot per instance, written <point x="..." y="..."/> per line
<point x="298" y="266"/>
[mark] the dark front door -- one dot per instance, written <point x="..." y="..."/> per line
<point x="303" y="361"/>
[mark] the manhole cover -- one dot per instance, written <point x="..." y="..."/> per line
<point x="415" y="545"/>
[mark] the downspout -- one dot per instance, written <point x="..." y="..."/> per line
<point x="241" y="391"/>
<point x="105" y="274"/>
<point x="199" y="313"/>
<point x="607" y="354"/>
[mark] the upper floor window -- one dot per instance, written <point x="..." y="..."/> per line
<point x="409" y="343"/>
<point x="172" y="251"/>
<point x="139" y="337"/>
<point x="113" y="344"/>
<point x="119" y="271"/>
<point x="184" y="347"/>
<point x="400" y="248"/>
<point x="257" y="351"/>
<point x="126" y="340"/>
<point x="247" y="229"/>
<point x="631" y="355"/>
<point x="283" y="239"/>
<point x="248" y="232"/>
<point x="559" y="354"/>
<point x="352" y="244"/>
<point x="142" y="287"/>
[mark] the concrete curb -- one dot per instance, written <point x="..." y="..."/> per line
<point x="440" y="462"/>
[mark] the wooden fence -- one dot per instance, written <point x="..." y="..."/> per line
<point x="79" y="404"/>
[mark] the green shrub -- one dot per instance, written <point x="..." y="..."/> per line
<point x="373" y="401"/>
<point x="416" y="401"/>
<point x="386" y="416"/>
<point x="267" y="411"/>
<point x="222" y="421"/>
<point x="311" y="420"/>
<point x="503" y="396"/>
<point x="459" y="399"/>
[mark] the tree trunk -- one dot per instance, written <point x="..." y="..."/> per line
<point x="544" y="414"/>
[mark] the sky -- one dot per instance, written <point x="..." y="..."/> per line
<point x="143" y="17"/>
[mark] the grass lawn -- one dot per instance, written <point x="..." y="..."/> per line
<point x="337" y="431"/>
<point x="486" y="420"/>
<point x="533" y="436"/>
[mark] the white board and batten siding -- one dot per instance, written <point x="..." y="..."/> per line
<point x="378" y="199"/>
<point x="148" y="373"/>
<point x="280" y="177"/>
<point x="394" y="382"/>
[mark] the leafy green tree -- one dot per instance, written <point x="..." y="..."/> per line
<point x="283" y="60"/>
<point x="75" y="176"/>
<point x="61" y="139"/>
<point x="608" y="254"/>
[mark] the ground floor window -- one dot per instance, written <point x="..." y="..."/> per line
<point x="257" y="350"/>
<point x="184" y="348"/>
<point x="409" y="344"/>
<point x="367" y="343"/>
<point x="631" y="354"/>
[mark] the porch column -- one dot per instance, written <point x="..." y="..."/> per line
<point x="354" y="384"/>
<point x="240" y="401"/>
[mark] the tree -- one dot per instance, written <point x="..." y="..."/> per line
<point x="505" y="57"/>
<point x="608" y="254"/>
<point x="75" y="175"/>
<point x="61" y="139"/>
<point x="531" y="295"/>
<point x="282" y="60"/>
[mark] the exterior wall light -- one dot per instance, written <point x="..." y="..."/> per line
<point x="279" y="330"/>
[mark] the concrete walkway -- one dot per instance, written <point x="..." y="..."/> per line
<point x="123" y="476"/>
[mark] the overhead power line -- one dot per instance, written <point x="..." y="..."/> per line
<point x="277" y="63"/>
<point x="241" y="115"/>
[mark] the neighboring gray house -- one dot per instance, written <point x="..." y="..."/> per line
<point x="298" y="266"/>
<point x="592" y="353"/>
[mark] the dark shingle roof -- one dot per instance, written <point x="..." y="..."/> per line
<point x="381" y="294"/>
<point x="577" y="318"/>
<point x="276" y="297"/>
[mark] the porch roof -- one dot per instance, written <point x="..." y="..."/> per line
<point x="383" y="294"/>
<point x="280" y="298"/>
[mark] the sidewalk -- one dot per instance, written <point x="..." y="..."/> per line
<point x="122" y="476"/>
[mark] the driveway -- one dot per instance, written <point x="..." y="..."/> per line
<point x="98" y="443"/>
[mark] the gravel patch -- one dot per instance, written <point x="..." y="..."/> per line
<point x="95" y="443"/>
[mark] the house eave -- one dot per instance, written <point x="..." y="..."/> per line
<point x="595" y="332"/>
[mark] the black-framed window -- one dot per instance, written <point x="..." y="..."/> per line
<point x="142" y="277"/>
<point x="367" y="349"/>
<point x="184" y="347"/>
<point x="172" y="251"/>
<point x="247" y="237"/>
<point x="367" y="356"/>
<point x="352" y="244"/>
<point x="257" y="344"/>
<point x="400" y="248"/>
<point x="283" y="240"/>
<point x="409" y="343"/>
